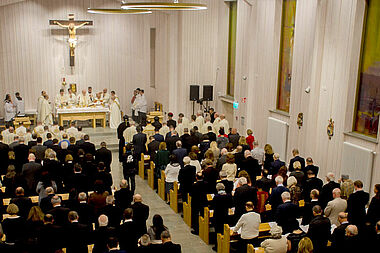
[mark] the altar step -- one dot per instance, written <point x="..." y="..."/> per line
<point x="99" y="134"/>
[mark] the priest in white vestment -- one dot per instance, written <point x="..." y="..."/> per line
<point x="8" y="135"/>
<point x="115" y="114"/>
<point x="20" y="105"/>
<point x="28" y="136"/>
<point x="10" y="109"/>
<point x="90" y="95"/>
<point x="71" y="98"/>
<point x="72" y="131"/>
<point x="105" y="96"/>
<point x="224" y="123"/>
<point x="180" y="127"/>
<point x="39" y="129"/>
<point x="216" y="123"/>
<point x="204" y="129"/>
<point x="200" y="120"/>
<point x="46" y="112"/>
<point x="54" y="130"/>
<point x="164" y="129"/>
<point x="185" y="121"/>
<point x="83" y="100"/>
<point x="21" y="130"/>
<point x="39" y="105"/>
<point x="129" y="132"/>
<point x="61" y="99"/>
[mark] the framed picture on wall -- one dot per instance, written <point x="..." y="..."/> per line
<point x="73" y="87"/>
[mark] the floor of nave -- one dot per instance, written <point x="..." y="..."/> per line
<point x="179" y="231"/>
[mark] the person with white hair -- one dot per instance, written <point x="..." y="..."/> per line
<point x="124" y="196"/>
<point x="277" y="243"/>
<point x="180" y="152"/>
<point x="186" y="177"/>
<point x="275" y="198"/>
<point x="195" y="162"/>
<point x="206" y="125"/>
<point x="129" y="132"/>
<point x="113" y="213"/>
<point x="223" y="123"/>
<point x="243" y="194"/>
<point x="353" y="241"/>
<point x="199" y="121"/>
<point x="294" y="189"/>
<point x="276" y="164"/>
<point x="326" y="194"/>
<point x="287" y="214"/>
<point x="140" y="215"/>
<point x="335" y="206"/>
<point x="145" y="243"/>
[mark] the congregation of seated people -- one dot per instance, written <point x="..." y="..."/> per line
<point x="258" y="186"/>
<point x="57" y="193"/>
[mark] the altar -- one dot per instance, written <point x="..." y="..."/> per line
<point x="83" y="113"/>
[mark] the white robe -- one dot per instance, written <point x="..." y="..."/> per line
<point x="91" y="97"/>
<point x="39" y="105"/>
<point x="179" y="129"/>
<point x="106" y="98"/>
<point x="149" y="130"/>
<point x="10" y="111"/>
<point x="115" y="114"/>
<point x="72" y="132"/>
<point x="8" y="137"/>
<point x="164" y="130"/>
<point x="224" y="123"/>
<point x="28" y="138"/>
<point x="21" y="131"/>
<point x="60" y="100"/>
<point x="216" y="125"/>
<point x="128" y="133"/>
<point x="83" y="101"/>
<point x="72" y="99"/>
<point x="46" y="113"/>
<point x="39" y="130"/>
<point x="204" y="129"/>
<point x="20" y="107"/>
<point x="193" y="124"/>
<point x="199" y="122"/>
<point x="54" y="130"/>
<point x="186" y="123"/>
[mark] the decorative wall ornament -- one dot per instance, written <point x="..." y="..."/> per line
<point x="300" y="120"/>
<point x="330" y="128"/>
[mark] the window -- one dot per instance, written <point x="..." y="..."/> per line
<point x="286" y="54"/>
<point x="152" y="57"/>
<point x="368" y="92"/>
<point x="231" y="48"/>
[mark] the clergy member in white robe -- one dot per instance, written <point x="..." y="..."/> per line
<point x="72" y="131"/>
<point x="71" y="98"/>
<point x="39" y="129"/>
<point x="164" y="129"/>
<point x="129" y="132"/>
<point x="83" y="100"/>
<point x="115" y="114"/>
<point x="9" y="108"/>
<point x="54" y="130"/>
<point x="185" y="121"/>
<point x="105" y="96"/>
<point x="216" y="123"/>
<point x="39" y="105"/>
<point x="200" y="120"/>
<point x="8" y="135"/>
<point x="28" y="136"/>
<point x="46" y="112"/>
<point x="180" y="127"/>
<point x="224" y="123"/>
<point x="21" y="130"/>
<point x="20" y="105"/>
<point x="61" y="99"/>
<point x="204" y="129"/>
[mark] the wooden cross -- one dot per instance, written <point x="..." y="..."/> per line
<point x="72" y="25"/>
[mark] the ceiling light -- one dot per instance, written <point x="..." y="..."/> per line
<point x="163" y="6"/>
<point x="117" y="11"/>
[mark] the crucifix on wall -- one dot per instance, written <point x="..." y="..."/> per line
<point x="72" y="25"/>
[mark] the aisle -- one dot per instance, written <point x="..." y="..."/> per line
<point x="178" y="229"/>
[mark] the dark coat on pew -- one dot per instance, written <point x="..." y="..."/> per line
<point x="242" y="195"/>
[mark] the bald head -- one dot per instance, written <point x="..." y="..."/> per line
<point x="137" y="198"/>
<point x="336" y="193"/>
<point x="31" y="157"/>
<point x="103" y="220"/>
<point x="351" y="230"/>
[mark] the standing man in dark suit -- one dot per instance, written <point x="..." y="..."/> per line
<point x="30" y="172"/>
<point x="23" y="203"/>
<point x="139" y="140"/>
<point x="296" y="157"/>
<point x="171" y="140"/>
<point x="4" y="149"/>
<point x="275" y="198"/>
<point x="243" y="194"/>
<point x="356" y="205"/>
<point x="276" y="164"/>
<point x="120" y="130"/>
<point x="211" y="134"/>
<point x="127" y="232"/>
<point x="312" y="182"/>
<point x="102" y="234"/>
<point x="87" y="146"/>
<point x="287" y="214"/>
<point x="337" y="238"/>
<point x="153" y="148"/>
<point x="308" y="208"/>
<point x="310" y="166"/>
<point x="157" y="136"/>
<point x="167" y="245"/>
<point x="326" y="192"/>
<point x="49" y="142"/>
<point x="104" y="155"/>
<point x="141" y="214"/>
<point x="21" y="154"/>
<point x="50" y="236"/>
<point x="124" y="196"/>
<point x="179" y="152"/>
<point x="198" y="195"/>
<point x="39" y="149"/>
<point x="319" y="230"/>
<point x="59" y="212"/>
<point x="221" y="202"/>
<point x="186" y="178"/>
<point x="33" y="142"/>
<point x="77" y="234"/>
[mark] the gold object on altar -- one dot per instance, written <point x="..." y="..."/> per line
<point x="73" y="87"/>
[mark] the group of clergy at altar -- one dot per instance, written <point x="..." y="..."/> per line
<point x="84" y="99"/>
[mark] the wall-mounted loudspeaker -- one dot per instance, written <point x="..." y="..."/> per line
<point x="194" y="92"/>
<point x="208" y="93"/>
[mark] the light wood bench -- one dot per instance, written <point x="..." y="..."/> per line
<point x="151" y="175"/>
<point x="142" y="165"/>
<point x="223" y="241"/>
<point x="204" y="225"/>
<point x="187" y="211"/>
<point x="173" y="197"/>
<point x="161" y="186"/>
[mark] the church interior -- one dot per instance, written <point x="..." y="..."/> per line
<point x="189" y="125"/>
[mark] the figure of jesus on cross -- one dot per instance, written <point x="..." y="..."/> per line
<point x="72" y="25"/>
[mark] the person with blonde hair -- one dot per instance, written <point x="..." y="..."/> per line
<point x="250" y="138"/>
<point x="294" y="189"/>
<point x="13" y="226"/>
<point x="243" y="143"/>
<point x="268" y="154"/>
<point x="305" y="246"/>
<point x="215" y="150"/>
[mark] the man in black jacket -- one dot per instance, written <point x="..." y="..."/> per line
<point x="21" y="154"/>
<point x="139" y="140"/>
<point x="312" y="182"/>
<point x="287" y="214"/>
<point x="140" y="215"/>
<point x="124" y="196"/>
<point x="319" y="230"/>
<point x="59" y="212"/>
<point x="296" y="157"/>
<point x="153" y="147"/>
<point x="77" y="235"/>
<point x="23" y="203"/>
<point x="104" y="155"/>
<point x="167" y="245"/>
<point x="308" y="208"/>
<point x="85" y="211"/>
<point x="120" y="130"/>
<point x="102" y="233"/>
<point x="356" y="205"/>
<point x="211" y="134"/>
<point x="326" y="192"/>
<point x="30" y="172"/>
<point x="221" y="202"/>
<point x="114" y="213"/>
<point x="198" y="195"/>
<point x="4" y="149"/>
<point x="337" y="238"/>
<point x="276" y="164"/>
<point x="243" y="194"/>
<point x="186" y="178"/>
<point x="310" y="166"/>
<point x="87" y="146"/>
<point x="51" y="235"/>
<point x="127" y="232"/>
<point x="275" y="198"/>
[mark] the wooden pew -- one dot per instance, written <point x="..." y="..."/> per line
<point x="3" y="189"/>
<point x="251" y="249"/>
<point x="151" y="175"/>
<point x="141" y="166"/>
<point x="161" y="186"/>
<point x="204" y="226"/>
<point x="173" y="197"/>
<point x="223" y="241"/>
<point x="187" y="211"/>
